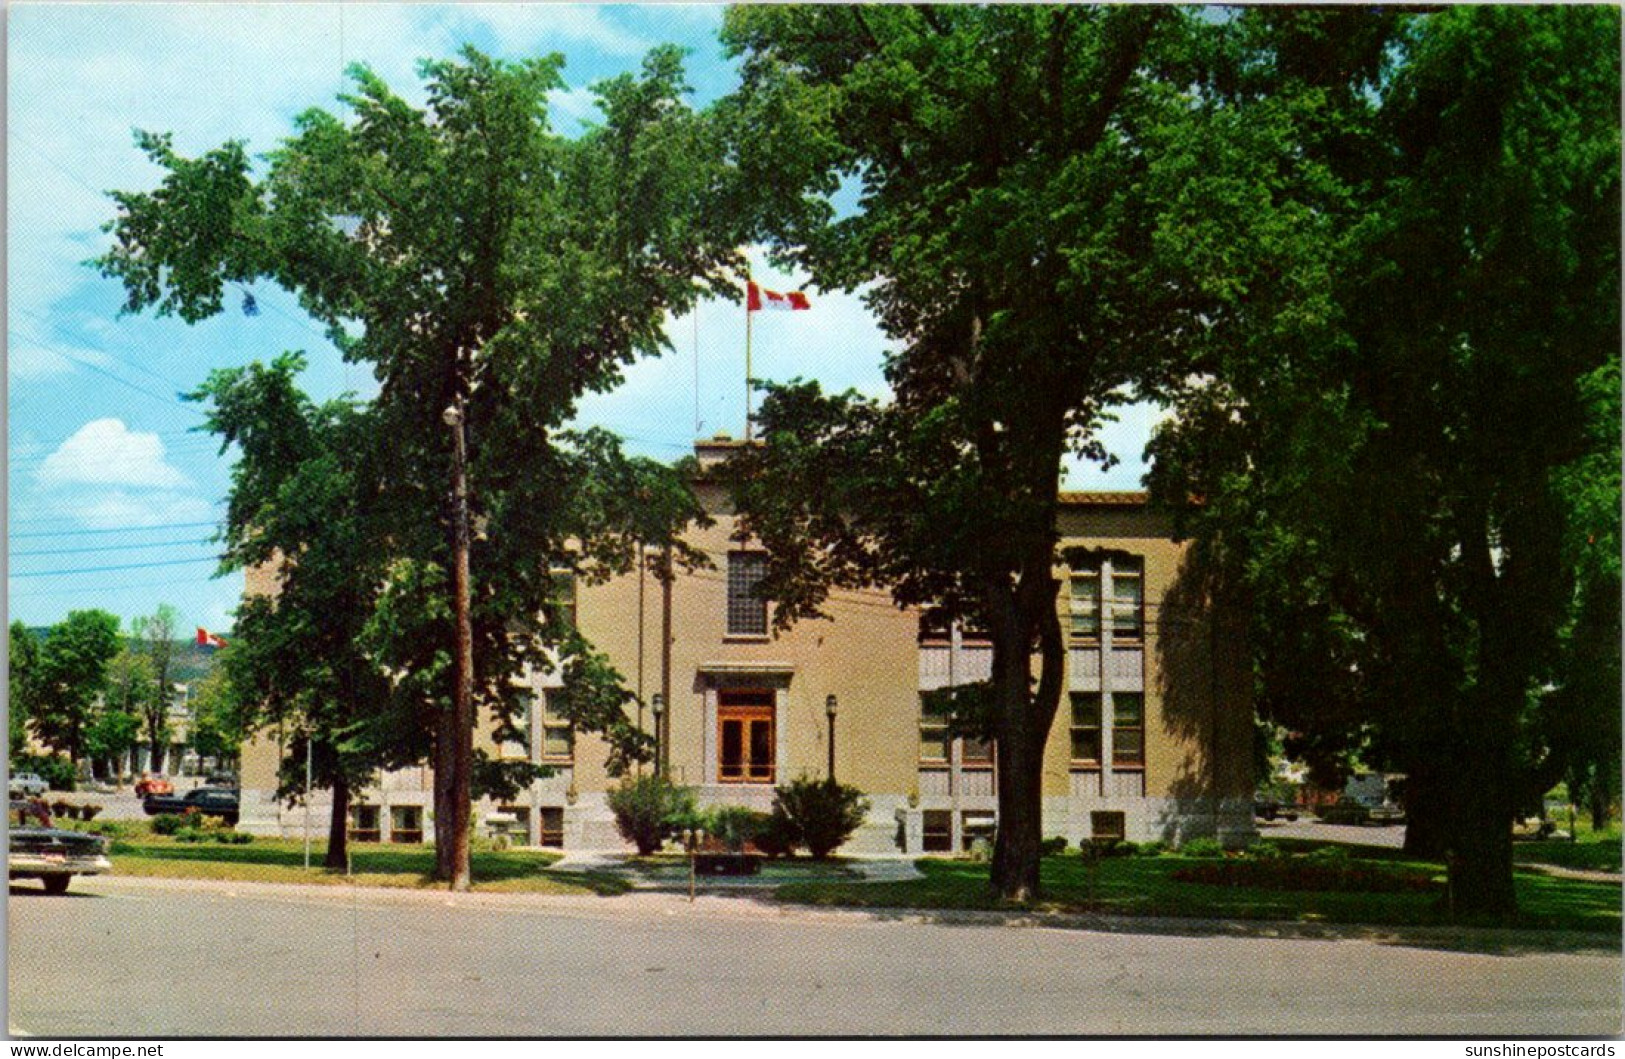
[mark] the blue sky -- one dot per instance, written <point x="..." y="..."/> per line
<point x="112" y="494"/>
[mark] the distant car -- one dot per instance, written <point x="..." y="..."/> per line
<point x="1269" y="809"/>
<point x="207" y="801"/>
<point x="28" y="784"/>
<point x="39" y="851"/>
<point x="149" y="785"/>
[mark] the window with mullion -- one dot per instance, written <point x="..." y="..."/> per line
<point x="1128" y="729"/>
<point x="747" y="610"/>
<point x="934" y="739"/>
<point x="1085" y="605"/>
<point x="558" y="735"/>
<point x="1086" y="728"/>
<point x="1128" y="600"/>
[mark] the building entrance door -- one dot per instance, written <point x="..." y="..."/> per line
<point x="745" y="736"/>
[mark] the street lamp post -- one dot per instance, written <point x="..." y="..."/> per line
<point x="658" y="705"/>
<point x="830" y="706"/>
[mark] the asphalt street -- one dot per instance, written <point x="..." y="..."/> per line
<point x="135" y="957"/>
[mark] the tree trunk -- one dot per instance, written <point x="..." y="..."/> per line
<point x="1427" y="825"/>
<point x="1480" y="864"/>
<point x="1021" y="807"/>
<point x="338" y="827"/>
<point x="1025" y="715"/>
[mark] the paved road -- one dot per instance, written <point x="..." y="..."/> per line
<point x="167" y="958"/>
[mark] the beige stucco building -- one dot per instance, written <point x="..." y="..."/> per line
<point x="1151" y="741"/>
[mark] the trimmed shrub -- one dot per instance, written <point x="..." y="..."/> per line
<point x="822" y="813"/>
<point x="233" y="838"/>
<point x="1152" y="849"/>
<point x="778" y="836"/>
<point x="648" y="808"/>
<point x="1124" y="848"/>
<point x="167" y="823"/>
<point x="1202" y="847"/>
<point x="735" y="825"/>
<point x="1052" y="847"/>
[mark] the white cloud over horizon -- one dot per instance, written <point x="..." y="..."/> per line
<point x="106" y="452"/>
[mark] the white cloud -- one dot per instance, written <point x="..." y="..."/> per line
<point x="29" y="361"/>
<point x="105" y="452"/>
<point x="518" y="27"/>
<point x="123" y="509"/>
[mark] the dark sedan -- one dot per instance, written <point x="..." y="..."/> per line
<point x="206" y="801"/>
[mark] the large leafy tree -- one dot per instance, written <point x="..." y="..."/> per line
<point x="477" y="261"/>
<point x="155" y="636"/>
<point x="1005" y="237"/>
<point x="73" y="663"/>
<point x="1397" y="469"/>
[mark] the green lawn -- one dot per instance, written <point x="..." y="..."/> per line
<point x="282" y="861"/>
<point x="1591" y="850"/>
<point x="1146" y="886"/>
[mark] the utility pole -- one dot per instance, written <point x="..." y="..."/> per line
<point x="663" y="742"/>
<point x="462" y="753"/>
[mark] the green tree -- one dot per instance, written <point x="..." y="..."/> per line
<point x="73" y="663"/>
<point x="131" y="688"/>
<point x="22" y="681"/>
<point x="218" y="729"/>
<point x="1003" y="158"/>
<point x="1388" y="467"/>
<point x="155" y="634"/>
<point x="479" y="262"/>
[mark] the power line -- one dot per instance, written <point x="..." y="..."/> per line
<point x="106" y="569"/>
<point x="112" y="548"/>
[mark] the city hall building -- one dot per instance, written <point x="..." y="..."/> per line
<point x="1151" y="741"/>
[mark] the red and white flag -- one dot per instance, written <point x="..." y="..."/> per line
<point x="758" y="298"/>
<point x="205" y="638"/>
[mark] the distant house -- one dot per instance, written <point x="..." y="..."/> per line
<point x="1152" y="740"/>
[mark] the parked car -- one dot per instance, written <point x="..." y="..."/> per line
<point x="207" y="801"/>
<point x="40" y="851"/>
<point x="149" y="785"/>
<point x="1270" y="808"/>
<point x="28" y="784"/>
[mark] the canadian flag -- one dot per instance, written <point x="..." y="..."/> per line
<point x="759" y="298"/>
<point x="205" y="638"/>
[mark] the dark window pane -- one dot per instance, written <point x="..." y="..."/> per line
<point x="1086" y="744"/>
<point x="733" y="749"/>
<point x="1086" y="708"/>
<point x="1128" y="707"/>
<point x="1128" y="746"/>
<point x="761" y="749"/>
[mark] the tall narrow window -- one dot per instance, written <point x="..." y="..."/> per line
<point x="517" y="746"/>
<point x="934" y="741"/>
<point x="561" y="606"/>
<point x="1128" y="728"/>
<point x="1086" y="728"/>
<point x="558" y="737"/>
<point x="1086" y="604"/>
<point x="1128" y="599"/>
<point x="745" y="737"/>
<point x="747" y="610"/>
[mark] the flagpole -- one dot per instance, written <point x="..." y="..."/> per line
<point x="747" y="354"/>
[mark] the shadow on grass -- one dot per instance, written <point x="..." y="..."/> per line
<point x="1139" y="895"/>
